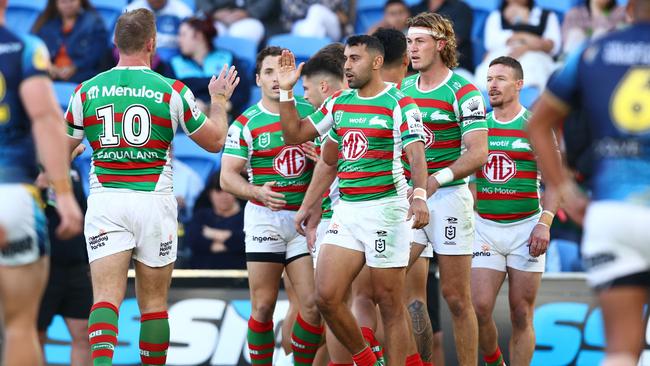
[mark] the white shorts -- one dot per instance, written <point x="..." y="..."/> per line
<point x="499" y="245"/>
<point x="323" y="225"/>
<point x="23" y="220"/>
<point x="378" y="228"/>
<point x="616" y="242"/>
<point x="451" y="222"/>
<point x="123" y="220"/>
<point x="428" y="247"/>
<point x="271" y="235"/>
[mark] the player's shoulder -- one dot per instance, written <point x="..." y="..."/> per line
<point x="302" y="102"/>
<point x="408" y="82"/>
<point x="460" y="84"/>
<point x="249" y="114"/>
<point x="343" y="93"/>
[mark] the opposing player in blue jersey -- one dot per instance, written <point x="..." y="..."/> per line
<point x="609" y="81"/>
<point x="30" y="120"/>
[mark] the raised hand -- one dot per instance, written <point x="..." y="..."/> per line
<point x="288" y="74"/>
<point x="224" y="85"/>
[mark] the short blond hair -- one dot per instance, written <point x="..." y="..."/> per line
<point x="133" y="29"/>
<point x="443" y="26"/>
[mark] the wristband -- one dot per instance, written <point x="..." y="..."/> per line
<point x="62" y="186"/>
<point x="286" y="95"/>
<point x="423" y="195"/>
<point x="543" y="224"/>
<point x="444" y="176"/>
<point x="547" y="212"/>
<point x="546" y="218"/>
<point x="217" y="98"/>
<point x="419" y="198"/>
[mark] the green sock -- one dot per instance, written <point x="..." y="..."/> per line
<point x="261" y="342"/>
<point x="305" y="339"/>
<point x="102" y="333"/>
<point x="154" y="338"/>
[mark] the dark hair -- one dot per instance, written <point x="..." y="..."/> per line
<point x="511" y="63"/>
<point x="205" y="27"/>
<point x="611" y="4"/>
<point x="392" y="2"/>
<point x="50" y="12"/>
<point x="323" y="63"/>
<point x="133" y="29"/>
<point x="336" y="50"/>
<point x="394" y="43"/>
<point x="504" y="3"/>
<point x="264" y="53"/>
<point x="371" y="42"/>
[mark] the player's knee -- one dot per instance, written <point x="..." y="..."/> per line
<point x="483" y="311"/>
<point x="390" y="304"/>
<point x="263" y="312"/>
<point x="521" y="315"/>
<point x="326" y="299"/>
<point x="458" y="304"/>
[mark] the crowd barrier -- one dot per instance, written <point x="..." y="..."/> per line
<point x="209" y="311"/>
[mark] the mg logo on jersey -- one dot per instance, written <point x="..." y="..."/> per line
<point x="429" y="137"/>
<point x="355" y="145"/>
<point x="290" y="162"/>
<point x="500" y="168"/>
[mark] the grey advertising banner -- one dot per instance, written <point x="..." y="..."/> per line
<point x="209" y="314"/>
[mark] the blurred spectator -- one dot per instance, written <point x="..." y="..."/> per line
<point x="526" y="32"/>
<point x="590" y="21"/>
<point x="187" y="187"/>
<point x="169" y="15"/>
<point x="199" y="60"/>
<point x="76" y="37"/>
<point x="317" y="18"/>
<point x="240" y="18"/>
<point x="69" y="291"/>
<point x="216" y="233"/>
<point x="462" y="17"/>
<point x="396" y="13"/>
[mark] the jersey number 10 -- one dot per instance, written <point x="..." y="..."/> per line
<point x="136" y="125"/>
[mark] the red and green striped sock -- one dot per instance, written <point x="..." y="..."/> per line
<point x="414" y="360"/>
<point x="154" y="338"/>
<point x="261" y="342"/>
<point x="365" y="358"/>
<point x="102" y="333"/>
<point x="369" y="336"/>
<point x="305" y="339"/>
<point x="495" y="359"/>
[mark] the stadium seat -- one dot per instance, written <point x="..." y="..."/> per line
<point x="191" y="4"/>
<point x="63" y="91"/>
<point x="369" y="12"/>
<point x="21" y="14"/>
<point x="477" y="35"/>
<point x="302" y="47"/>
<point x="558" y="7"/>
<point x="528" y="96"/>
<point x="485" y="5"/>
<point x="486" y="99"/>
<point x="202" y="162"/>
<point x="109" y="11"/>
<point x="243" y="48"/>
<point x="256" y="94"/>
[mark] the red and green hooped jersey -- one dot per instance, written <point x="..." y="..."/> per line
<point x="370" y="133"/>
<point x="129" y="115"/>
<point x="331" y="196"/>
<point x="256" y="136"/>
<point x="449" y="111"/>
<point x="507" y="188"/>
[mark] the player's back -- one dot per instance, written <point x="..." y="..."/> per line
<point x="20" y="58"/>
<point x="130" y="116"/>
<point x="610" y="80"/>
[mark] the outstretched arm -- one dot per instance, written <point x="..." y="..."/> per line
<point x="294" y="130"/>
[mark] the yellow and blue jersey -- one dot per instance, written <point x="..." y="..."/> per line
<point x="609" y="81"/>
<point x="21" y="57"/>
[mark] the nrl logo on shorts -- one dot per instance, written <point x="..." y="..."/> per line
<point x="450" y="232"/>
<point x="380" y="245"/>
<point x="264" y="140"/>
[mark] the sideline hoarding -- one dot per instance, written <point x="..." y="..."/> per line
<point x="209" y="311"/>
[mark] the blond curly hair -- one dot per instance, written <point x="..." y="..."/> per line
<point x="442" y="26"/>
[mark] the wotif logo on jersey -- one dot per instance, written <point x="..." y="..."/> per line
<point x="355" y="145"/>
<point x="290" y="162"/>
<point x="499" y="168"/>
<point x="125" y="91"/>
